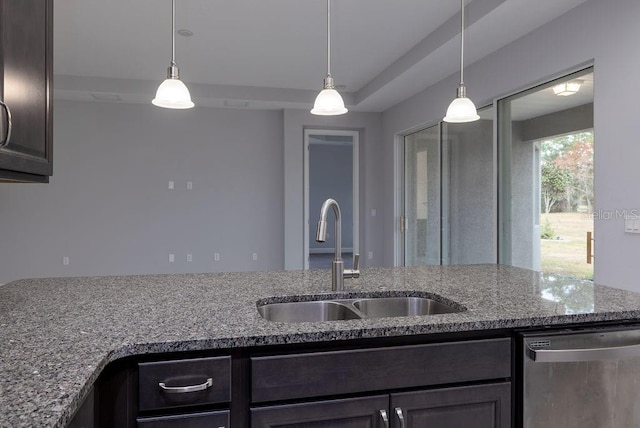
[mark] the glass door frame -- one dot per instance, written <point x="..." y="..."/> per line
<point x="399" y="244"/>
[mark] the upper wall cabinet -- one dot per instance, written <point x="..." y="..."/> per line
<point x="26" y="68"/>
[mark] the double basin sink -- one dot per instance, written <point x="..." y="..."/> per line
<point x="354" y="308"/>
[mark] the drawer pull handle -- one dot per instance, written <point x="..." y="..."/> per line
<point x="400" y="417"/>
<point x="186" y="389"/>
<point x="385" y="418"/>
<point x="7" y="137"/>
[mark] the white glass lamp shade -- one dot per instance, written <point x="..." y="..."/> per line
<point x="172" y="93"/>
<point x="461" y="110"/>
<point x="328" y="103"/>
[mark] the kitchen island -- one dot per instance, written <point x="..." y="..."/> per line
<point x="59" y="334"/>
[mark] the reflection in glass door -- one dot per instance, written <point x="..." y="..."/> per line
<point x="420" y="224"/>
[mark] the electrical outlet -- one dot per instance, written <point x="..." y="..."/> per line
<point x="370" y="255"/>
<point x="189" y="258"/>
<point x="254" y="256"/>
<point x="65" y="260"/>
<point x="374" y="212"/>
<point x="216" y="257"/>
<point x="189" y="185"/>
<point x="172" y="258"/>
<point x="171" y="185"/>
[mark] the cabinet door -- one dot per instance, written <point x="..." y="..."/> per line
<point x="347" y="413"/>
<point x="25" y="87"/>
<point x="478" y="406"/>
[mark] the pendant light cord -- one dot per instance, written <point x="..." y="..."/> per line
<point x="173" y="32"/>
<point x="328" y="37"/>
<point x="462" y="44"/>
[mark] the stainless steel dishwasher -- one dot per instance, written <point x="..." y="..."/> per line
<point x="581" y="378"/>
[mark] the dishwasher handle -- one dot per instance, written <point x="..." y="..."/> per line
<point x="583" y="354"/>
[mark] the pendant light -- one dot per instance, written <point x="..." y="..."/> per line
<point x="328" y="102"/>
<point x="172" y="93"/>
<point x="461" y="108"/>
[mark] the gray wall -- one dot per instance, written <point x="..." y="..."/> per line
<point x="331" y="176"/>
<point x="108" y="207"/>
<point x="597" y="31"/>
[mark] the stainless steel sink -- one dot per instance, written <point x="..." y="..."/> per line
<point x="401" y="307"/>
<point x="355" y="308"/>
<point x="322" y="310"/>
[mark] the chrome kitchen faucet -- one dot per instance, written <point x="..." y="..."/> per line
<point x="338" y="272"/>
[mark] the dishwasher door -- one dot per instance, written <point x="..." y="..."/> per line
<point x="586" y="379"/>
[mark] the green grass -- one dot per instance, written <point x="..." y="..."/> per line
<point x="567" y="256"/>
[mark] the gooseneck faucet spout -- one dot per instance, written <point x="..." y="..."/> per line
<point x="338" y="273"/>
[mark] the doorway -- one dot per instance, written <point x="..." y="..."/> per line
<point x="331" y="171"/>
<point x="546" y="183"/>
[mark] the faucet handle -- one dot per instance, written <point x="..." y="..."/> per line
<point x="354" y="272"/>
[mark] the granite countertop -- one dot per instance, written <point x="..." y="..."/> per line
<point x="58" y="334"/>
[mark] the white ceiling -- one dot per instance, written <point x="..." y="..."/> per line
<point x="272" y="53"/>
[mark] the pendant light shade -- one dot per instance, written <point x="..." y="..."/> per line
<point x="461" y="109"/>
<point x="328" y="102"/>
<point x="173" y="93"/>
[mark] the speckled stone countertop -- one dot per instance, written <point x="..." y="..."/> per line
<point x="58" y="334"/>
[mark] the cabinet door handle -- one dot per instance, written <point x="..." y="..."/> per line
<point x="400" y="417"/>
<point x="5" y="141"/>
<point x="385" y="418"/>
<point x="186" y="389"/>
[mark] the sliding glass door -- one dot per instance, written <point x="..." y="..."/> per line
<point x="420" y="224"/>
<point x="546" y="177"/>
<point x="449" y="198"/>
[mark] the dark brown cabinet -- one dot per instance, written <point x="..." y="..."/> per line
<point x="26" y="68"/>
<point x="478" y="406"/>
<point x="456" y="383"/>
<point x="346" y="413"/>
<point x="442" y="380"/>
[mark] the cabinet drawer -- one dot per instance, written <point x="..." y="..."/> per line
<point x="197" y="420"/>
<point x="184" y="382"/>
<point x="345" y="372"/>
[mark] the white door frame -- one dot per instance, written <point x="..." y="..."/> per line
<point x="355" y="135"/>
